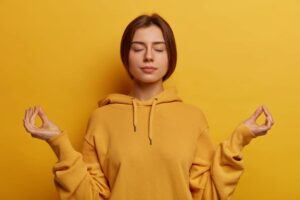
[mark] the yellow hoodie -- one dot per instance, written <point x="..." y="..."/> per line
<point x="157" y="149"/>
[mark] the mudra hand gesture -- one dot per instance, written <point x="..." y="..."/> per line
<point x="46" y="131"/>
<point x="259" y="130"/>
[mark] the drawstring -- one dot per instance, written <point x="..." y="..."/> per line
<point x="134" y="115"/>
<point x="150" y="134"/>
<point x="150" y="120"/>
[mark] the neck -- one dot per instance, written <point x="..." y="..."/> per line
<point x="144" y="91"/>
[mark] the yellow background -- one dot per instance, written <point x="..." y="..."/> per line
<point x="232" y="57"/>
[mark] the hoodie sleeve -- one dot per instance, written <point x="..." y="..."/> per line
<point x="215" y="173"/>
<point x="78" y="175"/>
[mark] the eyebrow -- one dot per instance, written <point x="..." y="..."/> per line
<point x="143" y="43"/>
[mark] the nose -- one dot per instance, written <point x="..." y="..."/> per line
<point x="148" y="56"/>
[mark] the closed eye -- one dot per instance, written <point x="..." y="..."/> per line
<point x="137" y="50"/>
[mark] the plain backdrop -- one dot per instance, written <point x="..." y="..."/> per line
<point x="232" y="57"/>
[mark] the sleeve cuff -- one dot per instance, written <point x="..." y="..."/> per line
<point x="241" y="136"/>
<point x="62" y="146"/>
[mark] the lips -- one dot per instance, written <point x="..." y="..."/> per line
<point x="148" y="69"/>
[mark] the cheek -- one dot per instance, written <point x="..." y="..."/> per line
<point x="130" y="57"/>
<point x="164" y="59"/>
<point x="133" y="58"/>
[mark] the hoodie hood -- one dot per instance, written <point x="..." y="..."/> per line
<point x="168" y="95"/>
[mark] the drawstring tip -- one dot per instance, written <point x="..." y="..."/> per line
<point x="134" y="128"/>
<point x="150" y="142"/>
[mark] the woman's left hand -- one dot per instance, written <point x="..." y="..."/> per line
<point x="259" y="130"/>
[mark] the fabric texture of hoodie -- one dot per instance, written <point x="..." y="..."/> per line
<point x="155" y="149"/>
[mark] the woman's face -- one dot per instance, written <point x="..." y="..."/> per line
<point x="148" y="49"/>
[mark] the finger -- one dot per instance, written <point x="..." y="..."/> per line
<point x="32" y="119"/>
<point x="42" y="115"/>
<point x="27" y="126"/>
<point x="257" y="112"/>
<point x="268" y="114"/>
<point x="26" y="114"/>
<point x="268" y="122"/>
<point x="24" y="121"/>
<point x="263" y="129"/>
<point x="267" y="119"/>
<point x="32" y="129"/>
<point x="29" y="114"/>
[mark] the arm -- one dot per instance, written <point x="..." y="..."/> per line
<point x="78" y="175"/>
<point x="214" y="174"/>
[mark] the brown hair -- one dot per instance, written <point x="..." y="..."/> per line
<point x="145" y="21"/>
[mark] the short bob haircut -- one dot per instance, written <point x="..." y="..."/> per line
<point x="145" y="21"/>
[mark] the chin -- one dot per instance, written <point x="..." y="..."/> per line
<point x="148" y="79"/>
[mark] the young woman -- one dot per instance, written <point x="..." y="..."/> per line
<point x="147" y="144"/>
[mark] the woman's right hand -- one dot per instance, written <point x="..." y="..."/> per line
<point x="46" y="131"/>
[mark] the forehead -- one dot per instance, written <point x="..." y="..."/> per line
<point x="149" y="34"/>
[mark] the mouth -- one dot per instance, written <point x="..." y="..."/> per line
<point x="148" y="69"/>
